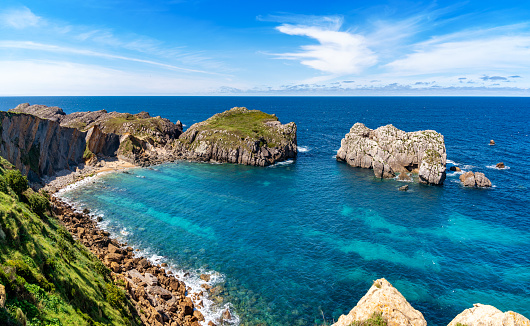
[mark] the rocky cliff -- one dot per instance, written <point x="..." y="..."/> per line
<point x="388" y="150"/>
<point x="383" y="300"/>
<point x="240" y="136"/>
<point x="39" y="147"/>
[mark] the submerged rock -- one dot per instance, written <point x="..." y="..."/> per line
<point x="484" y="315"/>
<point x="404" y="188"/>
<point x="388" y="150"/>
<point x="383" y="298"/>
<point x="500" y="165"/>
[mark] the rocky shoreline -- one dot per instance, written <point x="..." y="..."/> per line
<point x="158" y="295"/>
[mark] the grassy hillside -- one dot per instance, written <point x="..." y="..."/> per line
<point x="48" y="278"/>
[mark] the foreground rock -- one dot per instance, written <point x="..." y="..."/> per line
<point x="383" y="298"/>
<point x="239" y="135"/>
<point x="484" y="315"/>
<point x="388" y="150"/>
<point x="477" y="179"/>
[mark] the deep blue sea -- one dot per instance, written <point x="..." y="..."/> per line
<point x="297" y="242"/>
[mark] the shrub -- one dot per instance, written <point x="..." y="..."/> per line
<point x="115" y="296"/>
<point x="4" y="187"/>
<point x="38" y="203"/>
<point x="16" y="181"/>
<point x="375" y="320"/>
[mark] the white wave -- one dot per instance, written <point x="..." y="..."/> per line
<point x="77" y="184"/>
<point x="303" y="149"/>
<point x="468" y="167"/>
<point x="506" y="167"/>
<point x="452" y="162"/>
<point x="281" y="163"/>
<point x="124" y="232"/>
<point x="140" y="176"/>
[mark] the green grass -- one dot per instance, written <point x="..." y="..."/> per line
<point x="375" y="320"/>
<point x="49" y="278"/>
<point x="235" y="127"/>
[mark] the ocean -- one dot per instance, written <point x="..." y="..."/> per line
<point x="300" y="242"/>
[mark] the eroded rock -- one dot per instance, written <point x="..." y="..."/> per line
<point x="388" y="150"/>
<point x="477" y="179"/>
<point x="383" y="298"/>
<point x="484" y="315"/>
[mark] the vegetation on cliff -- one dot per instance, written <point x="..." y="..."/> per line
<point x="47" y="277"/>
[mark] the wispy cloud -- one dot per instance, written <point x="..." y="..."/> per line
<point x="19" y="18"/>
<point x="501" y="52"/>
<point x="338" y="53"/>
<point x="68" y="50"/>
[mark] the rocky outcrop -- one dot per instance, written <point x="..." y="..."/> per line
<point x="388" y="150"/>
<point x="241" y="136"/>
<point x="98" y="142"/>
<point x="484" y="315"/>
<point x="385" y="299"/>
<point x="500" y="165"/>
<point x="477" y="179"/>
<point x="39" y="147"/>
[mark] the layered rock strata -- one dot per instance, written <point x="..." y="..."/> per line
<point x="388" y="150"/>
<point x="385" y="299"/>
<point x="39" y="147"/>
<point x="241" y="136"/>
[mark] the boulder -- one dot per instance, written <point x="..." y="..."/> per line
<point x="150" y="279"/>
<point x="404" y="188"/>
<point x="159" y="291"/>
<point x="484" y="315"/>
<point x="481" y="180"/>
<point x="388" y="150"/>
<point x="455" y="168"/>
<point x="477" y="179"/>
<point x="383" y="298"/>
<point x="492" y="142"/>
<point x="500" y="165"/>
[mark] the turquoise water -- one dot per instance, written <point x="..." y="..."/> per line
<point x="305" y="239"/>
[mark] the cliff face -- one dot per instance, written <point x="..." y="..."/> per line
<point x="388" y="150"/>
<point x="240" y="136"/>
<point x="39" y="147"/>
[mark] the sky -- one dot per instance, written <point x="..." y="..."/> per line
<point x="204" y="47"/>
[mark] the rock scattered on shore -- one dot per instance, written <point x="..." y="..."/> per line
<point x="477" y="179"/>
<point x="388" y="150"/>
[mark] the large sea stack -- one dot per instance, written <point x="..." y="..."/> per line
<point x="239" y="135"/>
<point x="388" y="150"/>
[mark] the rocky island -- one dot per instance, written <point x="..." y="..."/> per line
<point x="388" y="150"/>
<point x="240" y="136"/>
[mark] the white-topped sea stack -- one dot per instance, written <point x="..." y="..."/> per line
<point x="388" y="150"/>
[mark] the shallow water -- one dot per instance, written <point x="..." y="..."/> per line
<point x="306" y="238"/>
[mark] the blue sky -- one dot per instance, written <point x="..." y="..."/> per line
<point x="179" y="47"/>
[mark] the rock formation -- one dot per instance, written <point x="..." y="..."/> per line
<point x="455" y="168"/>
<point x="477" y="179"/>
<point x="39" y="147"/>
<point x="484" y="315"/>
<point x="492" y="142"/>
<point x="388" y="150"/>
<point x="240" y="136"/>
<point x="500" y="165"/>
<point x="383" y="298"/>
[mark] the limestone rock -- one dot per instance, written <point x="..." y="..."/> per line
<point x="159" y="291"/>
<point x="455" y="168"/>
<point x="477" y="179"/>
<point x="492" y="142"/>
<point x="404" y="188"/>
<point x="239" y="135"/>
<point x="383" y="298"/>
<point x="484" y="315"/>
<point x="403" y="176"/>
<point x="500" y="165"/>
<point x="2" y="296"/>
<point x="388" y="150"/>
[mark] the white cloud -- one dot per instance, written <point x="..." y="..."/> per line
<point x="510" y="53"/>
<point x="66" y="78"/>
<point x="339" y="53"/>
<point x="68" y="50"/>
<point x="19" y="18"/>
